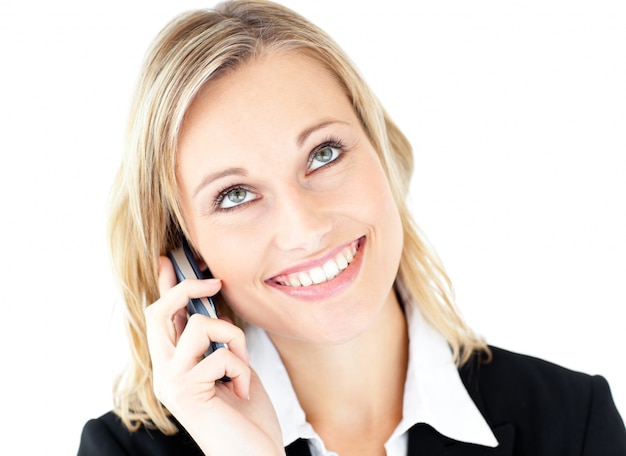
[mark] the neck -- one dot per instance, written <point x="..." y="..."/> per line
<point x="356" y="387"/>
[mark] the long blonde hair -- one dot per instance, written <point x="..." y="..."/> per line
<point x="145" y="221"/>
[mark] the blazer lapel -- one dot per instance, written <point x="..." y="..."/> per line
<point x="298" y="448"/>
<point x="426" y="441"/>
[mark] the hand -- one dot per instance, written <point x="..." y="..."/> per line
<point x="233" y="417"/>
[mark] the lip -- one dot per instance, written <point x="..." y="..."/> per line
<point x="326" y="289"/>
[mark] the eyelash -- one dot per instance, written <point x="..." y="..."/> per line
<point x="224" y="193"/>
<point x="330" y="141"/>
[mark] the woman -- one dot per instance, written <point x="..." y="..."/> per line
<point x="253" y="136"/>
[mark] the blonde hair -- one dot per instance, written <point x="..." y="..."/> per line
<point x="146" y="220"/>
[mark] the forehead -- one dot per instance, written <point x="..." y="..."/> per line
<point x="276" y="90"/>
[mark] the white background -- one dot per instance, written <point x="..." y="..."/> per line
<point x="516" y="110"/>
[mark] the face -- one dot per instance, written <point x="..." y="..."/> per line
<point x="287" y="202"/>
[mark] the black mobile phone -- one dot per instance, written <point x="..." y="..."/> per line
<point x="185" y="266"/>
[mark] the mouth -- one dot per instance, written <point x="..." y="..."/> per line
<point x="327" y="271"/>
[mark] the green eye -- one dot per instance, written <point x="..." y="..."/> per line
<point x="235" y="196"/>
<point x="323" y="155"/>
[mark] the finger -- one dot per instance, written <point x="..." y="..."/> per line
<point x="199" y="333"/>
<point x="197" y="288"/>
<point x="167" y="276"/>
<point x="169" y="313"/>
<point x="174" y="299"/>
<point x="166" y="318"/>
<point x="222" y="363"/>
<point x="166" y="281"/>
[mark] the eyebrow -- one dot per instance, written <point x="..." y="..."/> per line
<point x="214" y="176"/>
<point x="302" y="137"/>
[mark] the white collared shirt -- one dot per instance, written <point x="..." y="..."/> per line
<point x="433" y="391"/>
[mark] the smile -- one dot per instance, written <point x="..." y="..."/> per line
<point x="320" y="274"/>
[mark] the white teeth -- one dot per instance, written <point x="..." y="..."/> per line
<point x="317" y="275"/>
<point x="305" y="280"/>
<point x="342" y="263"/>
<point x="329" y="270"/>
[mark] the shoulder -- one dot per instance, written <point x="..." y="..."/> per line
<point x="508" y="371"/>
<point x="545" y="402"/>
<point x="107" y="435"/>
<point x="527" y="383"/>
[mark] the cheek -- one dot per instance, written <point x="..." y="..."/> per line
<point x="251" y="304"/>
<point x="231" y="260"/>
<point x="382" y="211"/>
<point x="374" y="194"/>
<point x="236" y="257"/>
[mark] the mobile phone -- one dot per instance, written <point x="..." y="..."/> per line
<point x="185" y="266"/>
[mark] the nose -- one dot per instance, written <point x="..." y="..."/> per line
<point x="302" y="219"/>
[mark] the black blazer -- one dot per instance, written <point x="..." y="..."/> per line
<point x="535" y="408"/>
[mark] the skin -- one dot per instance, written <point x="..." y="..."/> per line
<point x="277" y="176"/>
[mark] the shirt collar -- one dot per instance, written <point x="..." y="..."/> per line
<point x="433" y="393"/>
<point x="273" y="375"/>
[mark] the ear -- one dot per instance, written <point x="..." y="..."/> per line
<point x="202" y="265"/>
